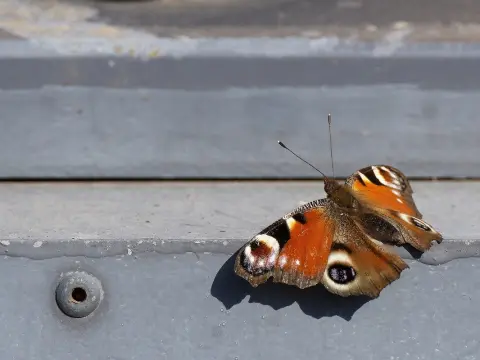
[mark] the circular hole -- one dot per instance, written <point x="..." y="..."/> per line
<point x="79" y="294"/>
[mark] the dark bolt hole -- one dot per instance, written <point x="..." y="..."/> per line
<point x="79" y="294"/>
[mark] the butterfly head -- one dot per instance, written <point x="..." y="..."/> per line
<point x="340" y="194"/>
<point x="331" y="186"/>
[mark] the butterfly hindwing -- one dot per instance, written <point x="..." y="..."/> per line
<point x="357" y="265"/>
<point x="408" y="229"/>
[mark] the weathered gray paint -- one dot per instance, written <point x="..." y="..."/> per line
<point x="64" y="132"/>
<point x="46" y="220"/>
<point x="192" y="73"/>
<point x="162" y="251"/>
<point x="42" y="221"/>
<point x="207" y="108"/>
<point x="195" y="211"/>
<point x="192" y="307"/>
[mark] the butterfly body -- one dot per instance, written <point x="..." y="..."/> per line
<point x="337" y="241"/>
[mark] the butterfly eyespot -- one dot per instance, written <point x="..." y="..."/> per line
<point x="341" y="274"/>
<point x="260" y="255"/>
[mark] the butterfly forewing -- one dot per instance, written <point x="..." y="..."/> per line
<point x="389" y="212"/>
<point x="384" y="187"/>
<point x="294" y="250"/>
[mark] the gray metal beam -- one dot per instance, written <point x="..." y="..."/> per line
<point x="181" y="307"/>
<point x="163" y="90"/>
<point x="162" y="252"/>
<point x="220" y="118"/>
<point x="195" y="211"/>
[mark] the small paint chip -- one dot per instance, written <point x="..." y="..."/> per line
<point x="37" y="244"/>
<point x="5" y="242"/>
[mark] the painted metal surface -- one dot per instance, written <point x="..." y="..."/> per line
<point x="85" y="95"/>
<point x="182" y="307"/>
<point x="162" y="252"/>
<point x="84" y="132"/>
<point x="193" y="211"/>
<point x="100" y="90"/>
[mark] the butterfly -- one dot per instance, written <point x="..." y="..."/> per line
<point x="339" y="241"/>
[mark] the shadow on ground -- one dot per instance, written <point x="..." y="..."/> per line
<point x="316" y="301"/>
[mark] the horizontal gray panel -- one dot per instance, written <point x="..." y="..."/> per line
<point x="192" y="307"/>
<point x="217" y="65"/>
<point x="214" y="108"/>
<point x="162" y="252"/>
<point x="64" y="132"/>
<point x="195" y="212"/>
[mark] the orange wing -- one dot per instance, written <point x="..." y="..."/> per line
<point x="382" y="186"/>
<point x="390" y="212"/>
<point x="294" y="249"/>
<point x="318" y="243"/>
<point x="357" y="265"/>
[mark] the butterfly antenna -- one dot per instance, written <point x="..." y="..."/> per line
<point x="331" y="147"/>
<point x="305" y="161"/>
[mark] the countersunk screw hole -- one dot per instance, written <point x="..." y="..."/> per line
<point x="79" y="295"/>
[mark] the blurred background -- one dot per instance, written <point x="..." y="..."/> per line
<point x="203" y="89"/>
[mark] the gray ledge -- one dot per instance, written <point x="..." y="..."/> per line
<point x="162" y="254"/>
<point x="214" y="108"/>
<point x="48" y="220"/>
<point x="148" y="48"/>
<point x="192" y="307"/>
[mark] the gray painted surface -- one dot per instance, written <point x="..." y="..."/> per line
<point x="109" y="219"/>
<point x="205" y="74"/>
<point x="108" y="90"/>
<point x="192" y="307"/>
<point x="83" y="132"/>
<point x="162" y="251"/>
<point x="195" y="211"/>
<point x="213" y="116"/>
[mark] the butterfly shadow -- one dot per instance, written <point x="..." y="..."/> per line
<point x="414" y="253"/>
<point x="315" y="301"/>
